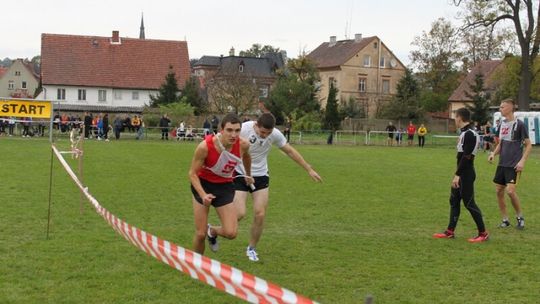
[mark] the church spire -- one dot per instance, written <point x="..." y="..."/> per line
<point x="141" y="34"/>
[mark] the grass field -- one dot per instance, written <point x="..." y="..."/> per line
<point x="366" y="230"/>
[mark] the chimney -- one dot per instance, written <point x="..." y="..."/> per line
<point x="231" y="51"/>
<point x="115" y="37"/>
<point x="332" y="41"/>
<point x="357" y="37"/>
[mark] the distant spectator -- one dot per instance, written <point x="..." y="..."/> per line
<point x="391" y="129"/>
<point x="64" y="121"/>
<point x="11" y="125"/>
<point x="3" y="123"/>
<point x="117" y="126"/>
<point x="140" y="131"/>
<point x="181" y="131"/>
<point x="399" y="136"/>
<point x="164" y="124"/>
<point x="206" y="127"/>
<point x="136" y="123"/>
<point x="215" y="124"/>
<point x="287" y="130"/>
<point x="27" y="121"/>
<point x="422" y="131"/>
<point x="189" y="133"/>
<point x="106" y="127"/>
<point x="87" y="125"/>
<point x="411" y="130"/>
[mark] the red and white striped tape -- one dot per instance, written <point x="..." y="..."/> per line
<point x="221" y="276"/>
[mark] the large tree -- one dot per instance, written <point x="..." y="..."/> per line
<point x="234" y="91"/>
<point x="257" y="50"/>
<point x="524" y="15"/>
<point x="436" y="59"/>
<point x="168" y="92"/>
<point x="295" y="92"/>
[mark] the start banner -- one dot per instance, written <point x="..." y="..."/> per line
<point x="25" y="108"/>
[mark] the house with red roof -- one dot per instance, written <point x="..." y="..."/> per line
<point x="20" y="80"/>
<point x="486" y="68"/>
<point x="108" y="74"/>
<point x="363" y="69"/>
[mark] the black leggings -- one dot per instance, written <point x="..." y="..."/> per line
<point x="465" y="192"/>
<point x="421" y="141"/>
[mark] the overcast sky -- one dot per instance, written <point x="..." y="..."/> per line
<point x="212" y="27"/>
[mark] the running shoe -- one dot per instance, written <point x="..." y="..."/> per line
<point x="520" y="223"/>
<point x="447" y="234"/>
<point x="212" y="240"/>
<point x="504" y="224"/>
<point x="252" y="254"/>
<point x="482" y="237"/>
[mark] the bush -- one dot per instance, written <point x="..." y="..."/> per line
<point x="309" y="122"/>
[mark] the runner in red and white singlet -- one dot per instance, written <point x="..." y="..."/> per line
<point x="211" y="176"/>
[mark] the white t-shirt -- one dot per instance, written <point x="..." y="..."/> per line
<point x="259" y="148"/>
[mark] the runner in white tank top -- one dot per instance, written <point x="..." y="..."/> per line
<point x="261" y="135"/>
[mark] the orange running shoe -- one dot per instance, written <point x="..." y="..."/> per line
<point x="482" y="237"/>
<point x="447" y="234"/>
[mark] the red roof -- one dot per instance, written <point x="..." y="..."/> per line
<point x="484" y="67"/>
<point x="95" y="61"/>
<point x="333" y="56"/>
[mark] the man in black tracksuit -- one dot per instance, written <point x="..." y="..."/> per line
<point x="463" y="182"/>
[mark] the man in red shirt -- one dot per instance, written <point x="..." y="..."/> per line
<point x="411" y="129"/>
<point x="211" y="176"/>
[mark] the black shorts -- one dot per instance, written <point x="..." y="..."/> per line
<point x="261" y="182"/>
<point x="411" y="136"/>
<point x="224" y="193"/>
<point x="505" y="175"/>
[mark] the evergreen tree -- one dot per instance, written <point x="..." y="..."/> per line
<point x="168" y="92"/>
<point x="190" y="95"/>
<point x="331" y="114"/>
<point x="406" y="103"/>
<point x="480" y="101"/>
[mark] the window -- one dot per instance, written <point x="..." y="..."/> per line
<point x="331" y="80"/>
<point x="23" y="85"/>
<point x="102" y="95"/>
<point x="367" y="60"/>
<point x="263" y="92"/>
<point x="17" y="73"/>
<point x="11" y="85"/>
<point x="135" y="95"/>
<point x="386" y="86"/>
<point x="117" y="94"/>
<point x="381" y="64"/>
<point x="375" y="44"/>
<point x="362" y="84"/>
<point x="241" y="68"/>
<point x="82" y="94"/>
<point x="61" y="94"/>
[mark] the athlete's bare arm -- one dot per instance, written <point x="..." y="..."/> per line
<point x="297" y="157"/>
<point x="201" y="152"/>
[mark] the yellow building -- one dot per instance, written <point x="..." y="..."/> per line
<point x="363" y="69"/>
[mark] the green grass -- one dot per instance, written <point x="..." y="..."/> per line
<point x="366" y="230"/>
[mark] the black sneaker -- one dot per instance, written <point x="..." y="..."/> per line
<point x="504" y="224"/>
<point x="212" y="240"/>
<point x="520" y="223"/>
